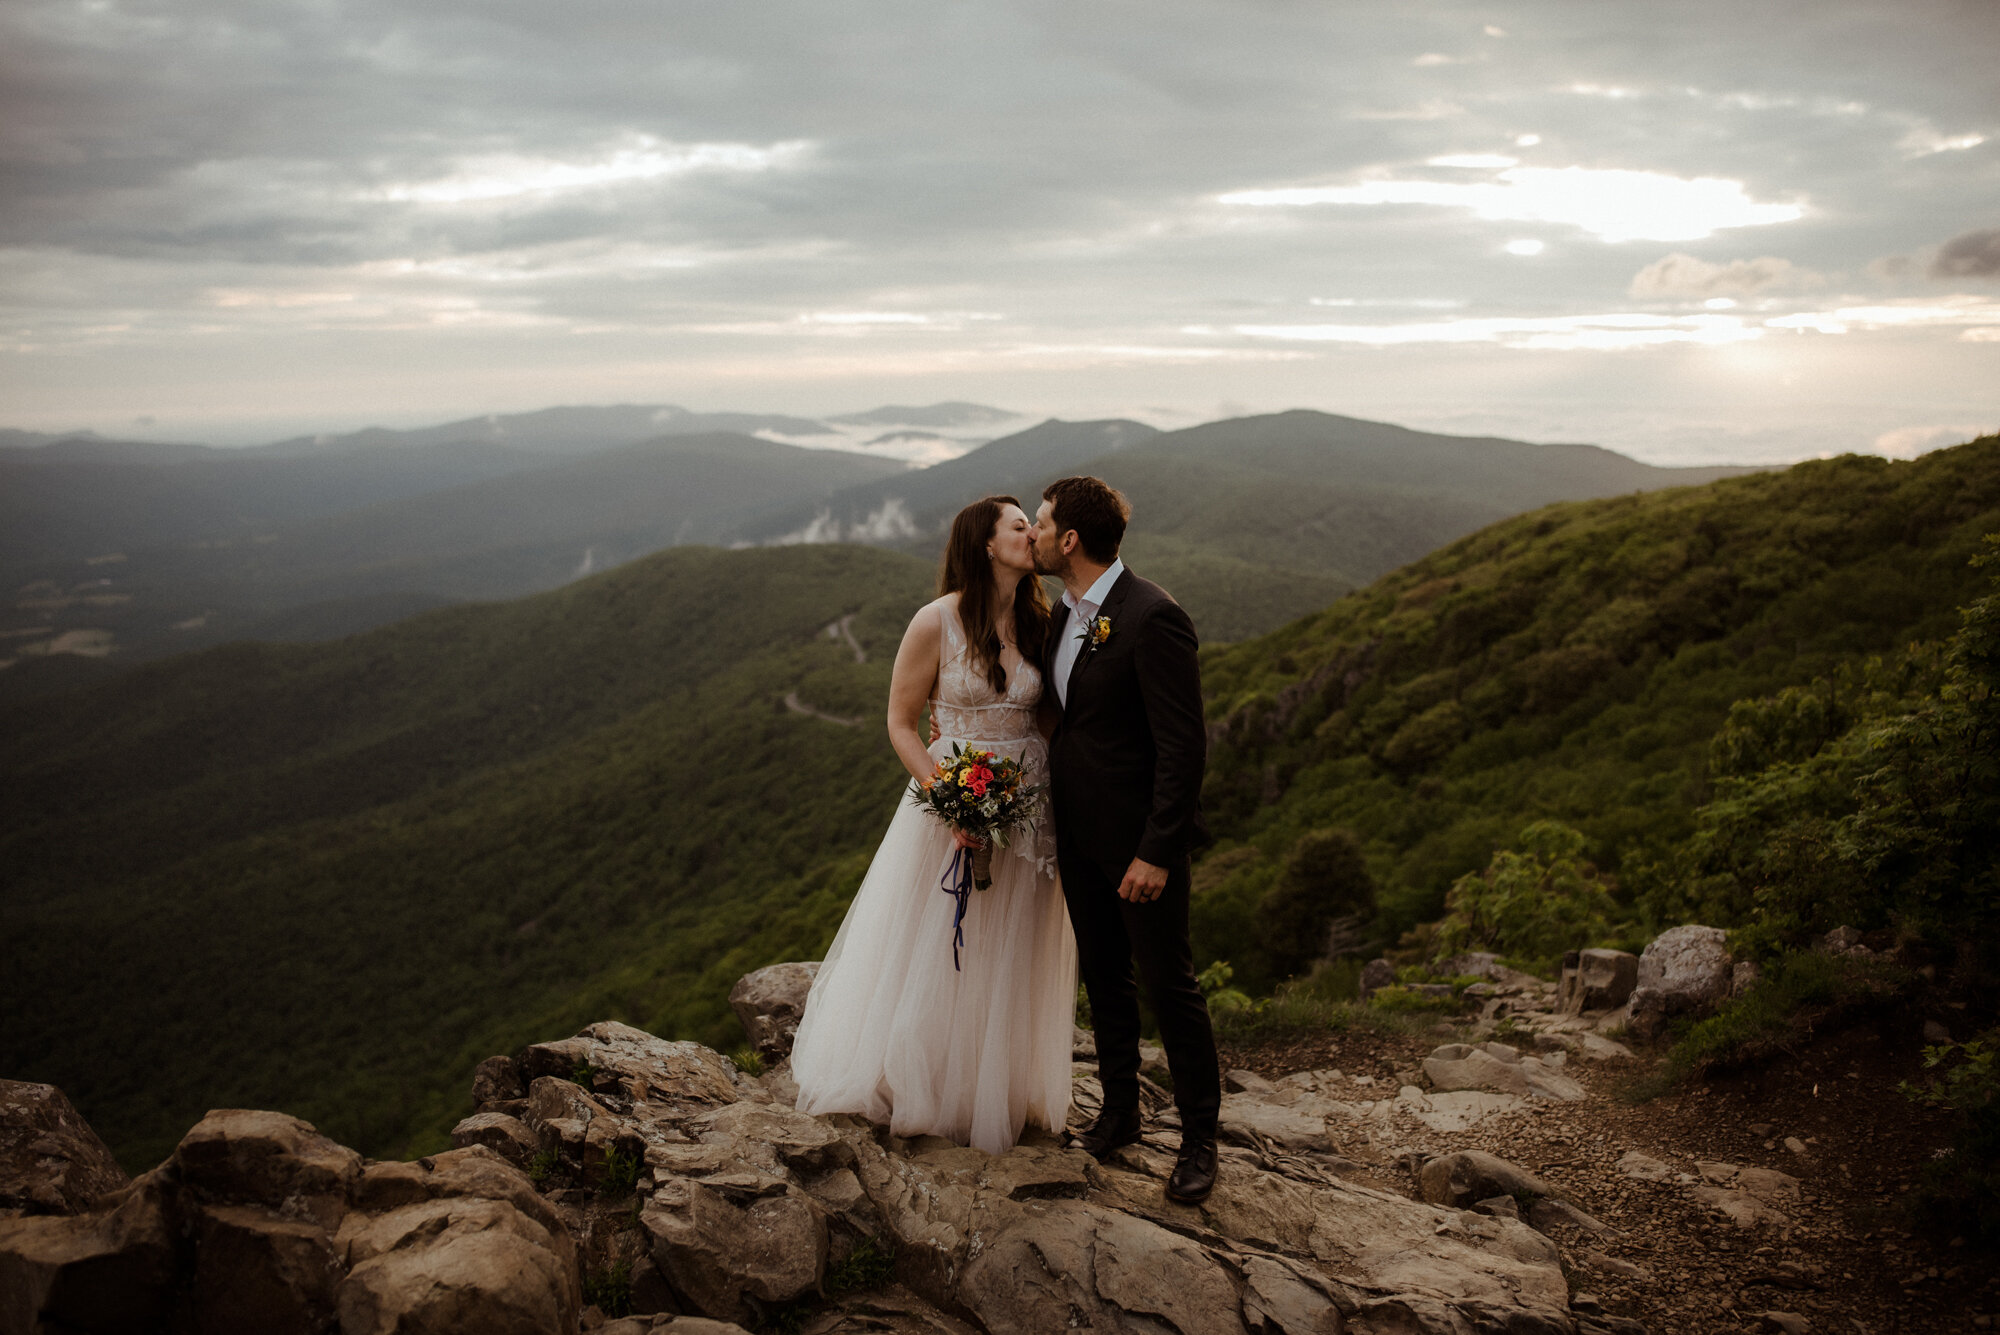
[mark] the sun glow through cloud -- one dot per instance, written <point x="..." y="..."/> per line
<point x="1612" y="204"/>
<point x="504" y="176"/>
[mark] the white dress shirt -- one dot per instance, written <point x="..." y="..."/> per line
<point x="1082" y="611"/>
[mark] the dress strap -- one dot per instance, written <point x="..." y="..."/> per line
<point x="952" y="645"/>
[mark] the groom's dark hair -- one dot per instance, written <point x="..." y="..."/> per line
<point x="1095" y="509"/>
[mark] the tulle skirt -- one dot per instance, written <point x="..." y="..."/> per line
<point x="892" y="1032"/>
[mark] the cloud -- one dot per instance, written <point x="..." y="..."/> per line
<point x="1910" y="441"/>
<point x="506" y="176"/>
<point x="1614" y="332"/>
<point x="1679" y="275"/>
<point x="1615" y="204"/>
<point x="1956" y="311"/>
<point x="1972" y="255"/>
<point x="1924" y="141"/>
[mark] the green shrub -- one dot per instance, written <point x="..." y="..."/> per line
<point x="1961" y="1189"/>
<point x="748" y="1060"/>
<point x="1534" y="903"/>
<point x="1795" y="991"/>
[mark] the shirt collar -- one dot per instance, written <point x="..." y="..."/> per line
<point x="1098" y="592"/>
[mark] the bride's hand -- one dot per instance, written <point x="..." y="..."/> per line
<point x="964" y="840"/>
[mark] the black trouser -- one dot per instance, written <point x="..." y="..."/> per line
<point x="1111" y="935"/>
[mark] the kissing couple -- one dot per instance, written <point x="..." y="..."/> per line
<point x="1099" y="699"/>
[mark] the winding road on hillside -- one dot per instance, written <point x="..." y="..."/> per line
<point x="842" y="629"/>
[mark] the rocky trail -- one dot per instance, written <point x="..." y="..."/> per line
<point x="1681" y="1249"/>
<point x="1490" y="1175"/>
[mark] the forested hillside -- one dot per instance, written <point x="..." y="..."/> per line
<point x="331" y="878"/>
<point x="1571" y="664"/>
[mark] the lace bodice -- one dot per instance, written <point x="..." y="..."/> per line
<point x="969" y="710"/>
<point x="967" y="706"/>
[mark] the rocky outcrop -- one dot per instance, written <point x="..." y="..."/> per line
<point x="258" y="1222"/>
<point x="51" y="1162"/>
<point x="770" y="1003"/>
<point x="698" y="1199"/>
<point x="1682" y="971"/>
<point x="1596" y="980"/>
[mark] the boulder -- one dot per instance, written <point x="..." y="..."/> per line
<point x="616" y="1058"/>
<point x="51" y="1162"/>
<point x="456" y="1264"/>
<point x="506" y="1136"/>
<point x="475" y="1172"/>
<point x="770" y="1003"/>
<point x="238" y="1156"/>
<point x="1459" y="1110"/>
<point x="259" y="1223"/>
<point x="497" y="1080"/>
<point x="255" y="1269"/>
<point x="1596" y="980"/>
<point x="112" y="1270"/>
<point x="1464" y="1179"/>
<point x="1682" y="971"/>
<point x="1376" y="975"/>
<point x="735" y="1253"/>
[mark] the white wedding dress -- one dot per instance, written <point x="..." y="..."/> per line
<point x="891" y="1030"/>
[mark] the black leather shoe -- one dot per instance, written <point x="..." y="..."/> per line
<point x="1108" y="1132"/>
<point x="1194" y="1172"/>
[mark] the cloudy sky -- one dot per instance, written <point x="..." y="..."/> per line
<point x="1697" y="231"/>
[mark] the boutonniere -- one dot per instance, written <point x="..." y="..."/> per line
<point x="1094" y="633"/>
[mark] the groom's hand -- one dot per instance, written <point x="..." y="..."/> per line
<point x="1143" y="882"/>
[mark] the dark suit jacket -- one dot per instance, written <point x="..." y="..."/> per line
<point x="1126" y="760"/>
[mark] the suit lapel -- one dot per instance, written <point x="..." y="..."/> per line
<point x="1112" y="602"/>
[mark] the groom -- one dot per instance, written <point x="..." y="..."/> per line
<point x="1125" y="769"/>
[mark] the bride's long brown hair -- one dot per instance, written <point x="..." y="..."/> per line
<point x="968" y="572"/>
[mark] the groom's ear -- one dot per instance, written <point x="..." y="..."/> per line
<point x="1071" y="540"/>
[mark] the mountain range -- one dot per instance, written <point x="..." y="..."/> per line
<point x="127" y="551"/>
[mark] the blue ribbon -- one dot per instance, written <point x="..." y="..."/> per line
<point x="957" y="882"/>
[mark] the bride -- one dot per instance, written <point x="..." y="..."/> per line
<point x="892" y="1030"/>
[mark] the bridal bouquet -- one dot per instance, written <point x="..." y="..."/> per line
<point x="987" y="796"/>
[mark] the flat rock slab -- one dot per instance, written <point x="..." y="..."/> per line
<point x="1458" y="1111"/>
<point x="1643" y="1167"/>
<point x="1498" y="1069"/>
